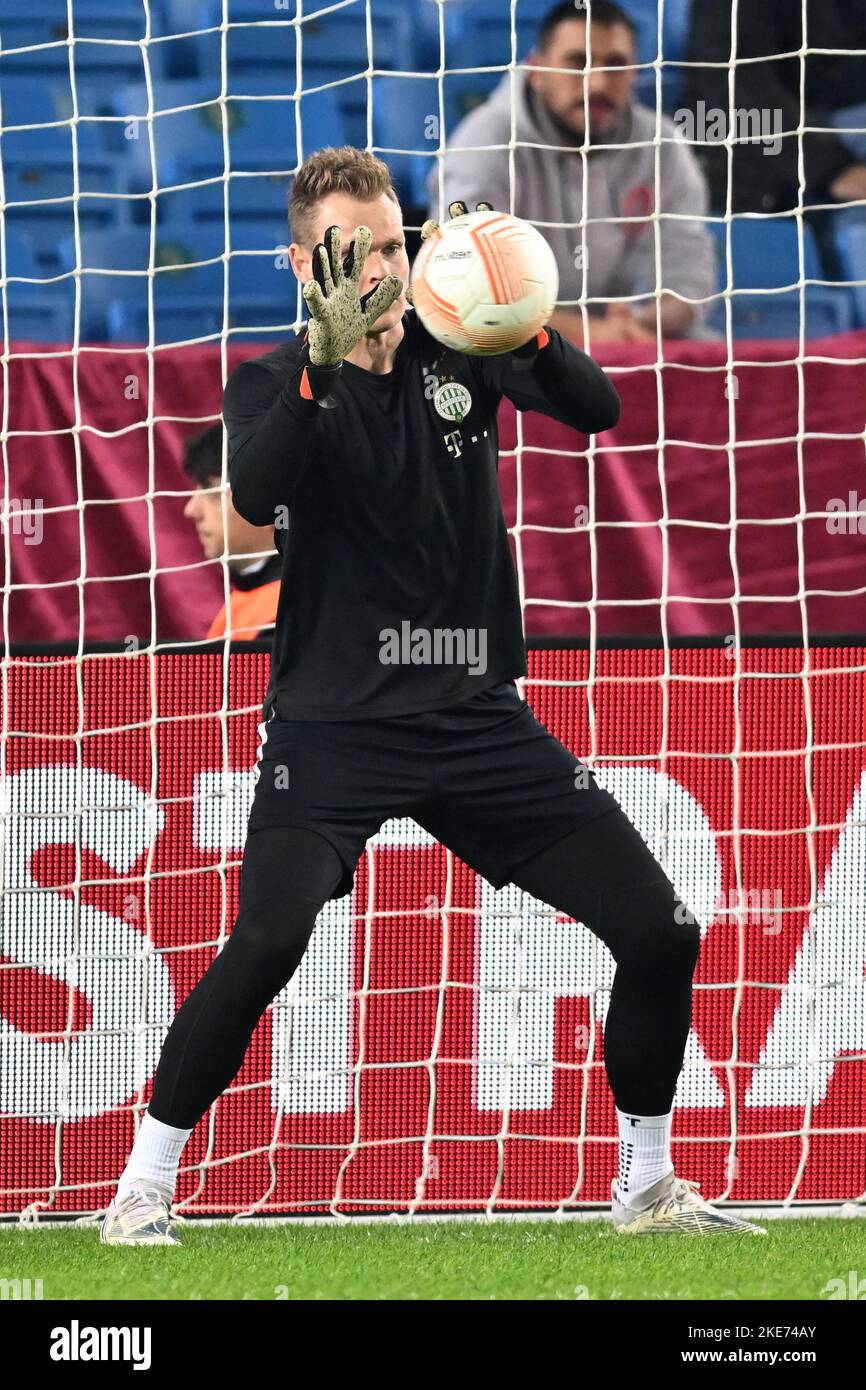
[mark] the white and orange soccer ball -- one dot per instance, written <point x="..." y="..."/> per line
<point x="484" y="283"/>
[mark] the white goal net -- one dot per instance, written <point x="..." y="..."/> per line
<point x="692" y="586"/>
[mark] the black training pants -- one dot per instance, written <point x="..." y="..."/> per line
<point x="603" y="874"/>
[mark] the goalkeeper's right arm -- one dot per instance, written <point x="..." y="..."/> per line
<point x="270" y="420"/>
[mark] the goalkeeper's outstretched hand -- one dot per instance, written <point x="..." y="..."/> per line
<point x="456" y="209"/>
<point x="338" y="317"/>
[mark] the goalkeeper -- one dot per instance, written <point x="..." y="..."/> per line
<point x="397" y="642"/>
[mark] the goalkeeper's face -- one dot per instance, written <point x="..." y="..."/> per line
<point x="387" y="256"/>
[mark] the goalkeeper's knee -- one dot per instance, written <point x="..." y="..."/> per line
<point x="267" y="945"/>
<point x="648" y="927"/>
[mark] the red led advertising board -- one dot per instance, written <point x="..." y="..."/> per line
<point x="441" y="1046"/>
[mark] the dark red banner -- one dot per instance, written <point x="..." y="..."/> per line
<point x="441" y="1047"/>
<point x="729" y="498"/>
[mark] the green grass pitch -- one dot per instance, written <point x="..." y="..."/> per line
<point x="798" y="1259"/>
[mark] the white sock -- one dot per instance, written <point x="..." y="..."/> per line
<point x="644" y="1152"/>
<point x="155" y="1155"/>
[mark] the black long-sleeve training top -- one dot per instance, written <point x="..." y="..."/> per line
<point x="398" y="589"/>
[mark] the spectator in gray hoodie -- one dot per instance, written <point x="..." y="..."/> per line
<point x="594" y="207"/>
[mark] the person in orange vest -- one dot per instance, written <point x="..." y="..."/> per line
<point x="254" y="566"/>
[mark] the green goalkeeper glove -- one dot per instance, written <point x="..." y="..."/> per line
<point x="338" y="317"/>
<point x="456" y="209"/>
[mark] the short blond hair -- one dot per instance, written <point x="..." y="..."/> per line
<point x="335" y="170"/>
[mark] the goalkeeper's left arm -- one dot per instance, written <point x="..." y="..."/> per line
<point x="548" y="374"/>
<point x="555" y="378"/>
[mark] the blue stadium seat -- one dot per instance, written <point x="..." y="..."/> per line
<point x="425" y="28"/>
<point x="184" y="318"/>
<point x="187" y="302"/>
<point x="52" y="146"/>
<point x="40" y="312"/>
<point x="102" y="19"/>
<point x="765" y="256"/>
<point x="676" y="28"/>
<point x="406" y="119"/>
<point x="478" y="32"/>
<point x="47" y="24"/>
<point x="30" y="100"/>
<point x="675" y="44"/>
<point x="332" y="45"/>
<point x="103" y="251"/>
<point x="176" y="16"/>
<point x="676" y="21"/>
<point x="257" y="197"/>
<point x="253" y="48"/>
<point x="180" y="55"/>
<point x="645" y="14"/>
<point x="262" y="134"/>
<point x="39" y="185"/>
<point x="850" y="238"/>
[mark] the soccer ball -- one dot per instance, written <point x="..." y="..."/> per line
<point x="484" y="283"/>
